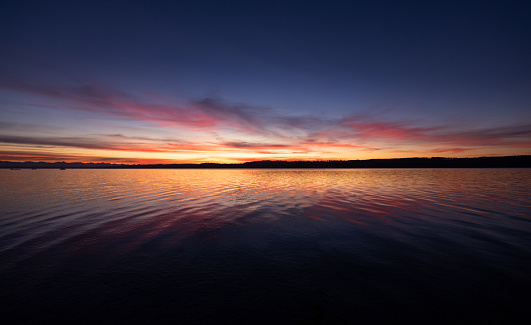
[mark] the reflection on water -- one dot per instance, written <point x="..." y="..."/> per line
<point x="265" y="246"/>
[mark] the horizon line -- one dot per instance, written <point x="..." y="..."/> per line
<point x="519" y="160"/>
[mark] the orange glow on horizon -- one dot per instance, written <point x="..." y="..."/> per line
<point x="219" y="154"/>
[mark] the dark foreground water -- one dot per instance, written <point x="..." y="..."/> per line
<point x="265" y="246"/>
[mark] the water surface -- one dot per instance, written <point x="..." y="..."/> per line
<point x="265" y="246"/>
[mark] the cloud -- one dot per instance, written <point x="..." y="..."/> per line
<point x="363" y="132"/>
<point x="406" y="132"/>
<point x="102" y="143"/>
<point x="519" y="135"/>
<point x="201" y="114"/>
<point x="59" y="141"/>
<point x="248" y="145"/>
<point x="367" y="129"/>
<point x="21" y="155"/>
<point x="119" y="142"/>
<point x="206" y="112"/>
<point x="453" y="150"/>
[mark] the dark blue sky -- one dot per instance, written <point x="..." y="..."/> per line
<point x="441" y="67"/>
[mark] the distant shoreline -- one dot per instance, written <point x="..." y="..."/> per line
<point x="523" y="161"/>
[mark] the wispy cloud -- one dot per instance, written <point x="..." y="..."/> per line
<point x="197" y="114"/>
<point x="281" y="133"/>
<point x="103" y="143"/>
<point x="452" y="150"/>
<point x="21" y="155"/>
<point x="207" y="112"/>
<point x="248" y="145"/>
<point x="407" y="132"/>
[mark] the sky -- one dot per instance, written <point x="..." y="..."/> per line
<point x="234" y="81"/>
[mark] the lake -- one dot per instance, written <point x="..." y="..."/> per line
<point x="207" y="246"/>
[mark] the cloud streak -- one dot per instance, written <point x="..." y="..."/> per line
<point x="234" y="124"/>
<point x="204" y="113"/>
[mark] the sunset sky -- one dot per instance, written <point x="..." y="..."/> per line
<point x="232" y="81"/>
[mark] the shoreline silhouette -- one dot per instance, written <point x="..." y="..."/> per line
<point x="523" y="161"/>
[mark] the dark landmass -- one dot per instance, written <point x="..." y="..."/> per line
<point x="434" y="162"/>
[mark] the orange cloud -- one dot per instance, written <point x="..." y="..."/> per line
<point x="279" y="134"/>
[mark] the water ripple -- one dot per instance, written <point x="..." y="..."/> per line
<point x="218" y="238"/>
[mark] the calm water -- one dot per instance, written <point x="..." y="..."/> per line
<point x="265" y="246"/>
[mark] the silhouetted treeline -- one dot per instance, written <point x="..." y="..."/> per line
<point x="434" y="162"/>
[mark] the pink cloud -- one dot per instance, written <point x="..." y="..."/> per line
<point x="383" y="129"/>
<point x="401" y="132"/>
<point x="295" y="133"/>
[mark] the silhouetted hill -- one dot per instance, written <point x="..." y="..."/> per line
<point x="434" y="162"/>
